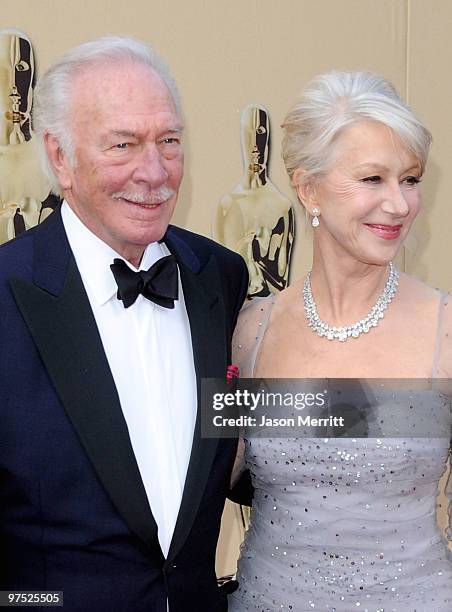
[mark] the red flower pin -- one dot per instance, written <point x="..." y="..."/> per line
<point x="232" y="373"/>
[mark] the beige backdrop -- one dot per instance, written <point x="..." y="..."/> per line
<point x="228" y="53"/>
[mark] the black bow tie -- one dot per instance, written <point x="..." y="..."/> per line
<point x="158" y="284"/>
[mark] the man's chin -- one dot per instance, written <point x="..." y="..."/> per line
<point x="154" y="233"/>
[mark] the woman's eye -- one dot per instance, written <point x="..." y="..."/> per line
<point x="372" y="179"/>
<point x="122" y="145"/>
<point x="412" y="180"/>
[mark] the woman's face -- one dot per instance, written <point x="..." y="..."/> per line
<point x="370" y="198"/>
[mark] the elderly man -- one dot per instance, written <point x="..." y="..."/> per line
<point x="109" y="319"/>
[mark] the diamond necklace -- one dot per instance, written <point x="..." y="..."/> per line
<point x="355" y="329"/>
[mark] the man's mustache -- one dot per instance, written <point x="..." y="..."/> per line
<point x="156" y="196"/>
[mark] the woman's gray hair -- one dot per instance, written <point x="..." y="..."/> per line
<point x="336" y="100"/>
<point x="52" y="96"/>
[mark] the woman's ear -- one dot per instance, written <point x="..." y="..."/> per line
<point x="306" y="189"/>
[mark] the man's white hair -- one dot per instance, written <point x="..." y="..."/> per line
<point x="52" y="96"/>
<point x="336" y="100"/>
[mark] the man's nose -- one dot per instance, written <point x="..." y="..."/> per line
<point x="151" y="167"/>
<point x="395" y="202"/>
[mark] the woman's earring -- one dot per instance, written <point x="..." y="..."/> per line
<point x="315" y="219"/>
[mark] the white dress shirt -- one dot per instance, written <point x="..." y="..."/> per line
<point x="150" y="355"/>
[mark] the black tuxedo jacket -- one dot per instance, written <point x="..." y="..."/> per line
<point x="74" y="515"/>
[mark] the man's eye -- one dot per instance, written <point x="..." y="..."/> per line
<point x="372" y="179"/>
<point x="412" y="180"/>
<point x="122" y="145"/>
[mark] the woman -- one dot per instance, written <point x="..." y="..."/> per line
<point x="343" y="524"/>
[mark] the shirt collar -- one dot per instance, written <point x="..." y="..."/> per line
<point x="94" y="257"/>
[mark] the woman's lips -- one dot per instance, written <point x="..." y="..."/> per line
<point x="387" y="232"/>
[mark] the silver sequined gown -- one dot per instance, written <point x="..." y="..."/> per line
<point x="344" y="524"/>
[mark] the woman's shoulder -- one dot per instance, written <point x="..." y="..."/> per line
<point x="413" y="284"/>
<point x="257" y="312"/>
<point x="425" y="304"/>
<point x="432" y="305"/>
<point x="258" y="303"/>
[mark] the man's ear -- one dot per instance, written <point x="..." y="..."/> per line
<point x="59" y="161"/>
<point x="306" y="189"/>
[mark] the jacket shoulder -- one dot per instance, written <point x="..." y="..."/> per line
<point x="16" y="255"/>
<point x="204" y="247"/>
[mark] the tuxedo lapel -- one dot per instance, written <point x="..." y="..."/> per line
<point x="57" y="312"/>
<point x="205" y="310"/>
